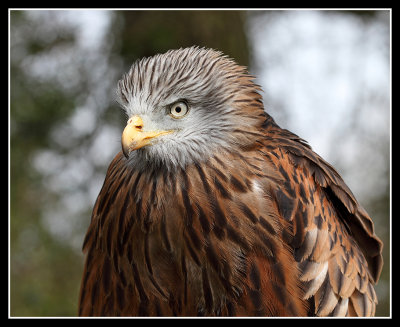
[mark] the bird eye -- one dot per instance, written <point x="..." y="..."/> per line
<point x="178" y="109"/>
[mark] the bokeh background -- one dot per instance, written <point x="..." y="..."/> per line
<point x="325" y="76"/>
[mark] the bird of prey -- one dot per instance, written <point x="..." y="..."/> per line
<point x="212" y="209"/>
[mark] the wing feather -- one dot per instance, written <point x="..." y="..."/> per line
<point x="334" y="242"/>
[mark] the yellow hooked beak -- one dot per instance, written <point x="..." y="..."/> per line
<point x="133" y="136"/>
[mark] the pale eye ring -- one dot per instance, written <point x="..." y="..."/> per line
<point x="178" y="109"/>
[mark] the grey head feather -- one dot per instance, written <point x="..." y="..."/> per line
<point x="204" y="78"/>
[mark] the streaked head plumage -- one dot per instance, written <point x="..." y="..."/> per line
<point x="208" y="85"/>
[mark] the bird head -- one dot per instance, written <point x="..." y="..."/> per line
<point x="186" y="104"/>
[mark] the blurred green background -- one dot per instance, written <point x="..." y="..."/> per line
<point x="65" y="124"/>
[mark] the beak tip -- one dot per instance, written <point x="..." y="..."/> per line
<point x="125" y="150"/>
<point x="126" y="155"/>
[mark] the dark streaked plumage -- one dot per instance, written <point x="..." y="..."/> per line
<point x="228" y="215"/>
